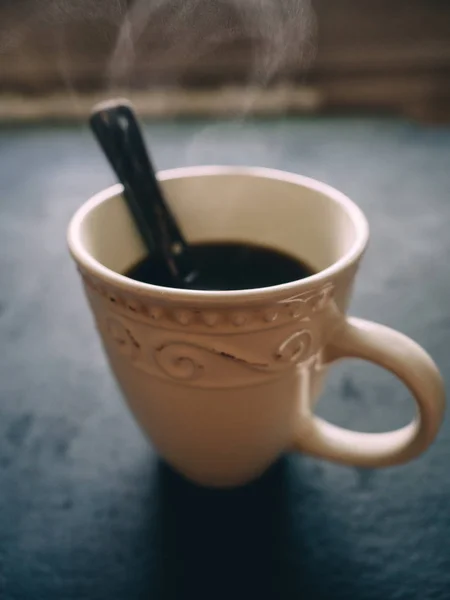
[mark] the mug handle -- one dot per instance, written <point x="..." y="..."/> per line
<point x="413" y="366"/>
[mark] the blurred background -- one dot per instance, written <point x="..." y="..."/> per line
<point x="226" y="57"/>
<point x="355" y="93"/>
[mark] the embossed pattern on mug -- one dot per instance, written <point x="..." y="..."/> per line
<point x="220" y="347"/>
<point x="220" y="319"/>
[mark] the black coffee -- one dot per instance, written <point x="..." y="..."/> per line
<point x="228" y="266"/>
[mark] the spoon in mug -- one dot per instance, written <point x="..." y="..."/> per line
<point x="116" y="128"/>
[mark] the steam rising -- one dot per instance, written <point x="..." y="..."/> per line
<point x="281" y="34"/>
<point x="155" y="44"/>
<point x="175" y="37"/>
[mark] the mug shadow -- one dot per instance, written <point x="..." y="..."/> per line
<point x="221" y="542"/>
<point x="249" y="542"/>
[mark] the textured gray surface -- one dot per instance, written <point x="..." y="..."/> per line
<point x="87" y="510"/>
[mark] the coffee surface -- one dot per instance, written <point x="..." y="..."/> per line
<point x="228" y="266"/>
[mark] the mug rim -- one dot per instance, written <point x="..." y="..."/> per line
<point x="90" y="264"/>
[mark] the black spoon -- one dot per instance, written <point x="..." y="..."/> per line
<point x="116" y="127"/>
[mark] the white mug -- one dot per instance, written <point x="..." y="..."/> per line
<point x="224" y="382"/>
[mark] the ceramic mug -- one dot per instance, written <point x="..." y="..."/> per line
<point x="224" y="382"/>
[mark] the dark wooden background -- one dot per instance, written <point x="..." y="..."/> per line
<point x="354" y="54"/>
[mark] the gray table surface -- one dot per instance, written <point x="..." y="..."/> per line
<point x="86" y="508"/>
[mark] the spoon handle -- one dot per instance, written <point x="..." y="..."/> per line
<point x="117" y="130"/>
